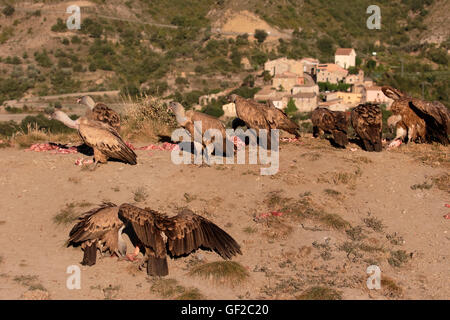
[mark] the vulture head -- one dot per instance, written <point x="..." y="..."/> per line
<point x="64" y="118"/>
<point x="179" y="112"/>
<point x="232" y="98"/>
<point x="393" y="93"/>
<point x="87" y="101"/>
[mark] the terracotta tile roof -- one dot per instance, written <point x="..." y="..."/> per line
<point x="332" y="67"/>
<point x="343" y="51"/>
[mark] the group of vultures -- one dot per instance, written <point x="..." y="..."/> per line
<point x="156" y="235"/>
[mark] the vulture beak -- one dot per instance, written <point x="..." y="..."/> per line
<point x="79" y="100"/>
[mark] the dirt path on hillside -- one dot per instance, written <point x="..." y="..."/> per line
<point x="385" y="213"/>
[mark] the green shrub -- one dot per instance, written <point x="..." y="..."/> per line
<point x="260" y="35"/>
<point x="60" y="26"/>
<point x="8" y="10"/>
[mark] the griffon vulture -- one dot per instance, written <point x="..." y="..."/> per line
<point x="367" y="121"/>
<point x="100" y="112"/>
<point x="262" y="116"/>
<point x="334" y="122"/>
<point x="198" y="122"/>
<point x="178" y="235"/>
<point x="424" y="121"/>
<point x="101" y="137"/>
<point x="99" y="228"/>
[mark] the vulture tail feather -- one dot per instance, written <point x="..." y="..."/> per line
<point x="90" y="255"/>
<point x="157" y="266"/>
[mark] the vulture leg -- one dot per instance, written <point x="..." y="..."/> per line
<point x="90" y="255"/>
<point x="316" y="131"/>
<point x="99" y="157"/>
<point x="411" y="133"/>
<point x="198" y="148"/>
<point x="208" y="153"/>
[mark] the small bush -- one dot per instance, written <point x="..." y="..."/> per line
<point x="223" y="272"/>
<point x="320" y="293"/>
<point x="8" y="10"/>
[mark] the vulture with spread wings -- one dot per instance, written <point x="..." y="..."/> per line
<point x="178" y="235"/>
<point x="424" y="121"/>
<point x="101" y="137"/>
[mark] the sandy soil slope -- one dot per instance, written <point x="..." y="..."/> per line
<point x="384" y="214"/>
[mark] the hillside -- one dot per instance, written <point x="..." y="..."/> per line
<point x="169" y="49"/>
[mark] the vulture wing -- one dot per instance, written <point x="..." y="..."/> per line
<point x="188" y="231"/>
<point x="367" y="122"/>
<point x="144" y="223"/>
<point x="278" y="119"/>
<point x="105" y="138"/>
<point x="251" y="113"/>
<point x="323" y="118"/>
<point x="103" y="113"/>
<point x="437" y="118"/>
<point x="97" y="225"/>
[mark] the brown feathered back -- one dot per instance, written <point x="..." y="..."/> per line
<point x="103" y="113"/>
<point x="367" y="122"/>
<point x="105" y="141"/>
<point x="334" y="122"/>
<point x="263" y="116"/>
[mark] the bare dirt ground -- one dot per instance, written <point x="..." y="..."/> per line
<point x="342" y="212"/>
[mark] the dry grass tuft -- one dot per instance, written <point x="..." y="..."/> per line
<point x="222" y="272"/>
<point x="374" y="224"/>
<point x="250" y="230"/>
<point x="422" y="186"/>
<point x="69" y="213"/>
<point x="442" y="182"/>
<point x="355" y="233"/>
<point x="111" y="292"/>
<point x="32" y="282"/>
<point x="146" y="119"/>
<point x="334" y="221"/>
<point x="398" y="258"/>
<point x="320" y="293"/>
<point x="191" y="294"/>
<point x="35" y="135"/>
<point x="390" y="288"/>
<point x="332" y="192"/>
<point x="277" y="228"/>
<point x="189" y="197"/>
<point x="140" y="194"/>
<point x="167" y="288"/>
<point x="66" y="215"/>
